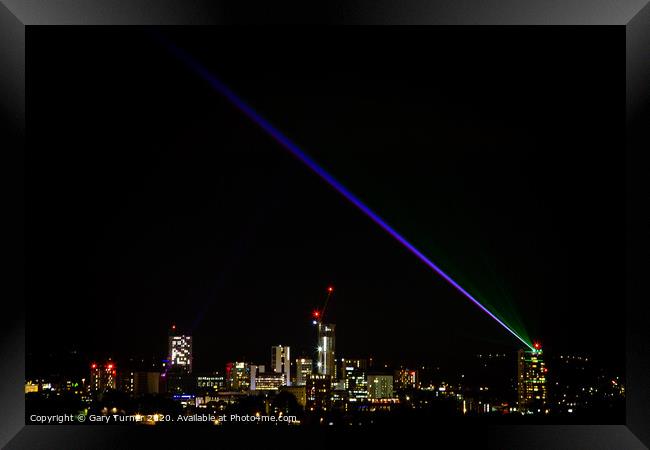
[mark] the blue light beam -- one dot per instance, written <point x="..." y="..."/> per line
<point x="292" y="148"/>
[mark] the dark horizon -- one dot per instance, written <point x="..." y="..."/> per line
<point x="165" y="205"/>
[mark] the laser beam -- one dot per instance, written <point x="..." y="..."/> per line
<point x="303" y="157"/>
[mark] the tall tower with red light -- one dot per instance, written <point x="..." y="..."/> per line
<point x="103" y="377"/>
<point x="531" y="381"/>
<point x="326" y="340"/>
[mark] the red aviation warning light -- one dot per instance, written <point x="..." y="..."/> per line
<point x="318" y="314"/>
<point x="537" y="346"/>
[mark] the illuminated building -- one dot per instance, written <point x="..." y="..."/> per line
<point x="380" y="386"/>
<point x="180" y="353"/>
<point x="238" y="376"/>
<point x="178" y="376"/>
<point x="304" y="368"/>
<point x="31" y="386"/>
<point x="319" y="391"/>
<point x="102" y="377"/>
<point x="325" y="363"/>
<point x="531" y="381"/>
<point x="406" y="379"/>
<point x="353" y="378"/>
<point x="253" y="371"/>
<point x="210" y="382"/>
<point x="269" y="381"/>
<point x="281" y="362"/>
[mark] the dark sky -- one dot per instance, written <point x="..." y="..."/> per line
<point x="153" y="201"/>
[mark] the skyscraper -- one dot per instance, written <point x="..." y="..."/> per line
<point x="304" y="368"/>
<point x="180" y="353"/>
<point x="531" y="381"/>
<point x="353" y="376"/>
<point x="281" y="362"/>
<point x="380" y="386"/>
<point x="325" y="363"/>
<point x="102" y="377"/>
<point x="319" y="390"/>
<point x="238" y="375"/>
<point x="178" y="375"/>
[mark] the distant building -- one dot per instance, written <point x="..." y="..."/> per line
<point x="103" y="377"/>
<point x="238" y="376"/>
<point x="269" y="381"/>
<point x="210" y="383"/>
<point x="319" y="392"/>
<point x="281" y="362"/>
<point x="180" y="353"/>
<point x="300" y="392"/>
<point x="406" y="379"/>
<point x="325" y="362"/>
<point x="32" y="386"/>
<point x="125" y="381"/>
<point x="354" y="378"/>
<point x="304" y="368"/>
<point x="531" y="382"/>
<point x="146" y="382"/>
<point x="178" y="376"/>
<point x="380" y="386"/>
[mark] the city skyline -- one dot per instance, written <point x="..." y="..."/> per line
<point x="213" y="227"/>
<point x="355" y="388"/>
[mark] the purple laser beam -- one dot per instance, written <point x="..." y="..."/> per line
<point x="287" y="144"/>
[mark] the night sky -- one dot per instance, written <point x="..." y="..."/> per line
<point x="152" y="201"/>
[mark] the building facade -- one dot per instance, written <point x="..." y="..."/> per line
<point x="353" y="375"/>
<point x="325" y="362"/>
<point x="268" y="381"/>
<point x="238" y="376"/>
<point x="304" y="368"/>
<point x="319" y="392"/>
<point x="180" y="353"/>
<point x="531" y="382"/>
<point x="146" y="382"/>
<point x="380" y="386"/>
<point x="103" y="377"/>
<point x="281" y="362"/>
<point x="406" y="379"/>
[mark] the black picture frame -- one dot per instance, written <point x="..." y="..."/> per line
<point x="634" y="16"/>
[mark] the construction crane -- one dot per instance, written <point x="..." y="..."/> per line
<point x="317" y="314"/>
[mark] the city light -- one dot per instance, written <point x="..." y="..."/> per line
<point x="298" y="153"/>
